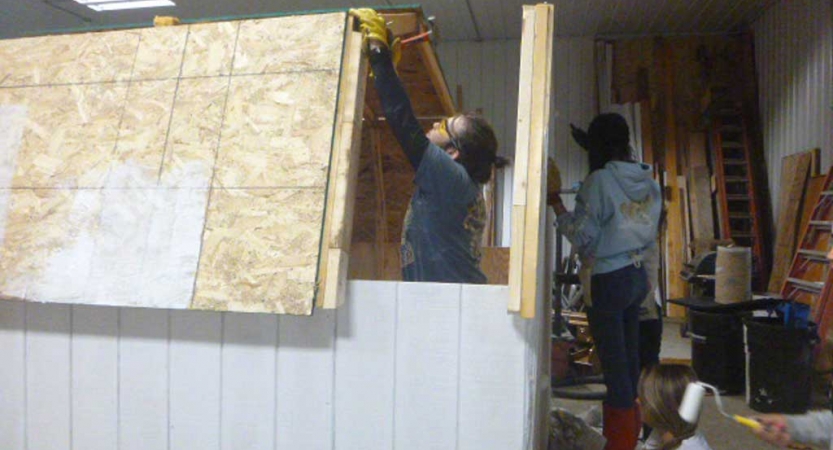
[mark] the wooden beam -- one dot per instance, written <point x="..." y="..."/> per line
<point x="522" y="130"/>
<point x="341" y="197"/>
<point x="674" y="250"/>
<point x="381" y="211"/>
<point x="795" y="174"/>
<point x="535" y="222"/>
<point x="435" y="72"/>
<point x="403" y="24"/>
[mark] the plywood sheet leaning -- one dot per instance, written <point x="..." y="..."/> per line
<point x="176" y="167"/>
<point x="528" y="207"/>
<point x="795" y="174"/>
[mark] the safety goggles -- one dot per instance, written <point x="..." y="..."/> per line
<point x="445" y="128"/>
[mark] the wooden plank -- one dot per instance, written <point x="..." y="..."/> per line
<point x="492" y="360"/>
<point x="305" y="382"/>
<point x="248" y="374"/>
<point x="381" y="211"/>
<point x="700" y="197"/>
<point x="143" y="379"/>
<point x="697" y="149"/>
<point x="815" y="166"/>
<point x="195" y="380"/>
<point x="341" y="197"/>
<point x="677" y="287"/>
<point x="403" y="23"/>
<point x="435" y="73"/>
<point x="427" y="366"/>
<point x="364" y="372"/>
<point x="795" y="170"/>
<point x="95" y="356"/>
<point x="683" y="182"/>
<point x="48" y="403"/>
<point x="13" y="375"/>
<point x="521" y="162"/>
<point x="814" y="187"/>
<point x="536" y="183"/>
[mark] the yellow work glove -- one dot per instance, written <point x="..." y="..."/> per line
<point x="553" y="181"/>
<point x="375" y="30"/>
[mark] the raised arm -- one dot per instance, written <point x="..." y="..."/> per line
<point x="397" y="107"/>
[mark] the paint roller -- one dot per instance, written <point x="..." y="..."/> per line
<point x="693" y="400"/>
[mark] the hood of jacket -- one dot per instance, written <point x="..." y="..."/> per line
<point x="635" y="179"/>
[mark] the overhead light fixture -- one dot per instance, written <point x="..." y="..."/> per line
<point x="111" y="5"/>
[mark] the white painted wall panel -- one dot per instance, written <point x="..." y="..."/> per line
<point x="427" y="366"/>
<point x="365" y="364"/>
<point x="95" y="369"/>
<point x="400" y="366"/>
<point x="248" y="404"/>
<point x="48" y="389"/>
<point x="794" y="59"/>
<point x="305" y="381"/>
<point x="143" y="379"/>
<point x="491" y="371"/>
<point x="195" y="380"/>
<point x="13" y="375"/>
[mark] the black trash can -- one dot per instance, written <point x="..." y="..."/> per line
<point x="717" y="349"/>
<point x="779" y="364"/>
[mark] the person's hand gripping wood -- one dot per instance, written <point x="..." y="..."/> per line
<point x="554" y="186"/>
<point x="376" y="33"/>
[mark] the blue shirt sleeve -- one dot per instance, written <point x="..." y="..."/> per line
<point x="397" y="107"/>
<point x="583" y="225"/>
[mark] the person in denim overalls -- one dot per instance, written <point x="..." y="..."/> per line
<point x="613" y="225"/>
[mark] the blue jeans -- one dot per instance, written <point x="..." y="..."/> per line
<point x="614" y="324"/>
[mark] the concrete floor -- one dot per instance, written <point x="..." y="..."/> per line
<point x="721" y="432"/>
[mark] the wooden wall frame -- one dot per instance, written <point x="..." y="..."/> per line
<point x="527" y="254"/>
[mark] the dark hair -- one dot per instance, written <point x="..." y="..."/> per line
<point x="607" y="139"/>
<point x="479" y="148"/>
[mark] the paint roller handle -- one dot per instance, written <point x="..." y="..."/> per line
<point x="751" y="423"/>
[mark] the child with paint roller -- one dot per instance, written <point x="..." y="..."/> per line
<point x="446" y="217"/>
<point x="662" y="389"/>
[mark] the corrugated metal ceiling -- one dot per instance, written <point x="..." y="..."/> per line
<point x="458" y="20"/>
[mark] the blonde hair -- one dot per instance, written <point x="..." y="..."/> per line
<point x="661" y="389"/>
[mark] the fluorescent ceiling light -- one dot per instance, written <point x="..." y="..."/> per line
<point x="110" y="5"/>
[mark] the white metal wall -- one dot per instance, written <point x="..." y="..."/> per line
<point x="488" y="74"/>
<point x="794" y="59"/>
<point x="402" y="366"/>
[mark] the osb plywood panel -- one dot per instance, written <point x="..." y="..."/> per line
<point x="160" y="53"/>
<point x="209" y="50"/>
<point x="303" y="43"/>
<point x="90" y="58"/>
<point x="70" y="134"/>
<point x="176" y="167"/>
<point x="265" y="243"/>
<point x="278" y="130"/>
<point x="194" y="132"/>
